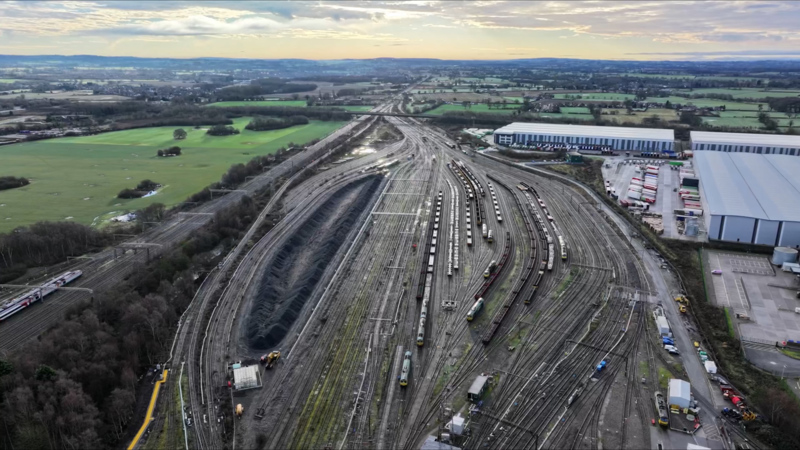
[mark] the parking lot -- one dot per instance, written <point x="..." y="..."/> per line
<point x="667" y="201"/>
<point x="750" y="285"/>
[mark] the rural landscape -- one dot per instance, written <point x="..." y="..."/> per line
<point x="396" y="226"/>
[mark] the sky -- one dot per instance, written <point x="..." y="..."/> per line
<point x="621" y="30"/>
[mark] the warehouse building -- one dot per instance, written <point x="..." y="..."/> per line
<point x="750" y="198"/>
<point x="614" y="138"/>
<point x="771" y="144"/>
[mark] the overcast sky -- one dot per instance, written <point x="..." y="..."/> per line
<point x="405" y="29"/>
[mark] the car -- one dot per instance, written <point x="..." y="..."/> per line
<point x="716" y="272"/>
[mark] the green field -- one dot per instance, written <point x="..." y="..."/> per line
<point x="79" y="177"/>
<point x="740" y="122"/>
<point x="567" y="116"/>
<point x="745" y="92"/>
<point x="8" y="80"/>
<point x="597" y="96"/>
<point x="476" y="108"/>
<point x="292" y="103"/>
<point x="575" y="110"/>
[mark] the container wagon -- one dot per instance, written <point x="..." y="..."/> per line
<point x="490" y="237"/>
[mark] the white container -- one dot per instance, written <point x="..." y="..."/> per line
<point x="783" y="255"/>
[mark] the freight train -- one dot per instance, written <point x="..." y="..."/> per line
<point x="22" y="301"/>
<point x="423" y="315"/>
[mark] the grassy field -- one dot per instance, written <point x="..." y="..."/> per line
<point x="745" y="92"/>
<point x="638" y="116"/>
<point x="80" y="177"/>
<point x="9" y="80"/>
<point x="567" y="116"/>
<point x="293" y="103"/>
<point x="478" y="108"/>
<point x="609" y="96"/>
<point x="575" y="110"/>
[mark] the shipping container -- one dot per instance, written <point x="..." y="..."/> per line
<point x="637" y="182"/>
<point x="634" y="195"/>
<point x="649" y="192"/>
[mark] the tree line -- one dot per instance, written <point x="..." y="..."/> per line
<point x="275" y="123"/>
<point x="76" y="386"/>
<point x="140" y="190"/>
<point x="45" y="243"/>
<point x="222" y="130"/>
<point x="13" y="182"/>
<point x="171" y="151"/>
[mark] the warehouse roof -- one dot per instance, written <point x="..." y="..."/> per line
<point x="769" y="140"/>
<point x="750" y="185"/>
<point x="588" y="130"/>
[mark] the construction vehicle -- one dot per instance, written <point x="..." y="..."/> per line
<point x="681" y="299"/>
<point x="682" y="309"/>
<point x="738" y="401"/>
<point x="239" y="410"/>
<point x="270" y="359"/>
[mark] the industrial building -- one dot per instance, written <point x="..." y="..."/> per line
<point x="750" y="198"/>
<point x="614" y="138"/>
<point x="680" y="394"/>
<point x="246" y="377"/>
<point x="773" y="144"/>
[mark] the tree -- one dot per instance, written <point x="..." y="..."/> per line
<point x="690" y="118"/>
<point x="179" y="134"/>
<point x="769" y="123"/>
<point x="45" y="373"/>
<point x="629" y="105"/>
<point x="668" y="104"/>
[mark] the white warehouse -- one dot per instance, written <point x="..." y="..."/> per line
<point x="750" y="198"/>
<point x="616" y="138"/>
<point x="773" y="144"/>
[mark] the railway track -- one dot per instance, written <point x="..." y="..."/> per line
<point x="335" y="386"/>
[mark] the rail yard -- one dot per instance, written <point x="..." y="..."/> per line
<point x="400" y="295"/>
<point x="365" y="286"/>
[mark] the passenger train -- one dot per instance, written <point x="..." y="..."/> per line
<point x="22" y="301"/>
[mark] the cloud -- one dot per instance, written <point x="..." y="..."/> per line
<point x="199" y="26"/>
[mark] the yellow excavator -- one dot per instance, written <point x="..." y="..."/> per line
<point x="270" y="359"/>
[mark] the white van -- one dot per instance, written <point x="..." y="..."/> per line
<point x="671" y="349"/>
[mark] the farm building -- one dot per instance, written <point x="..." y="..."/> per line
<point x="614" y="138"/>
<point x="771" y="144"/>
<point x="750" y="198"/>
